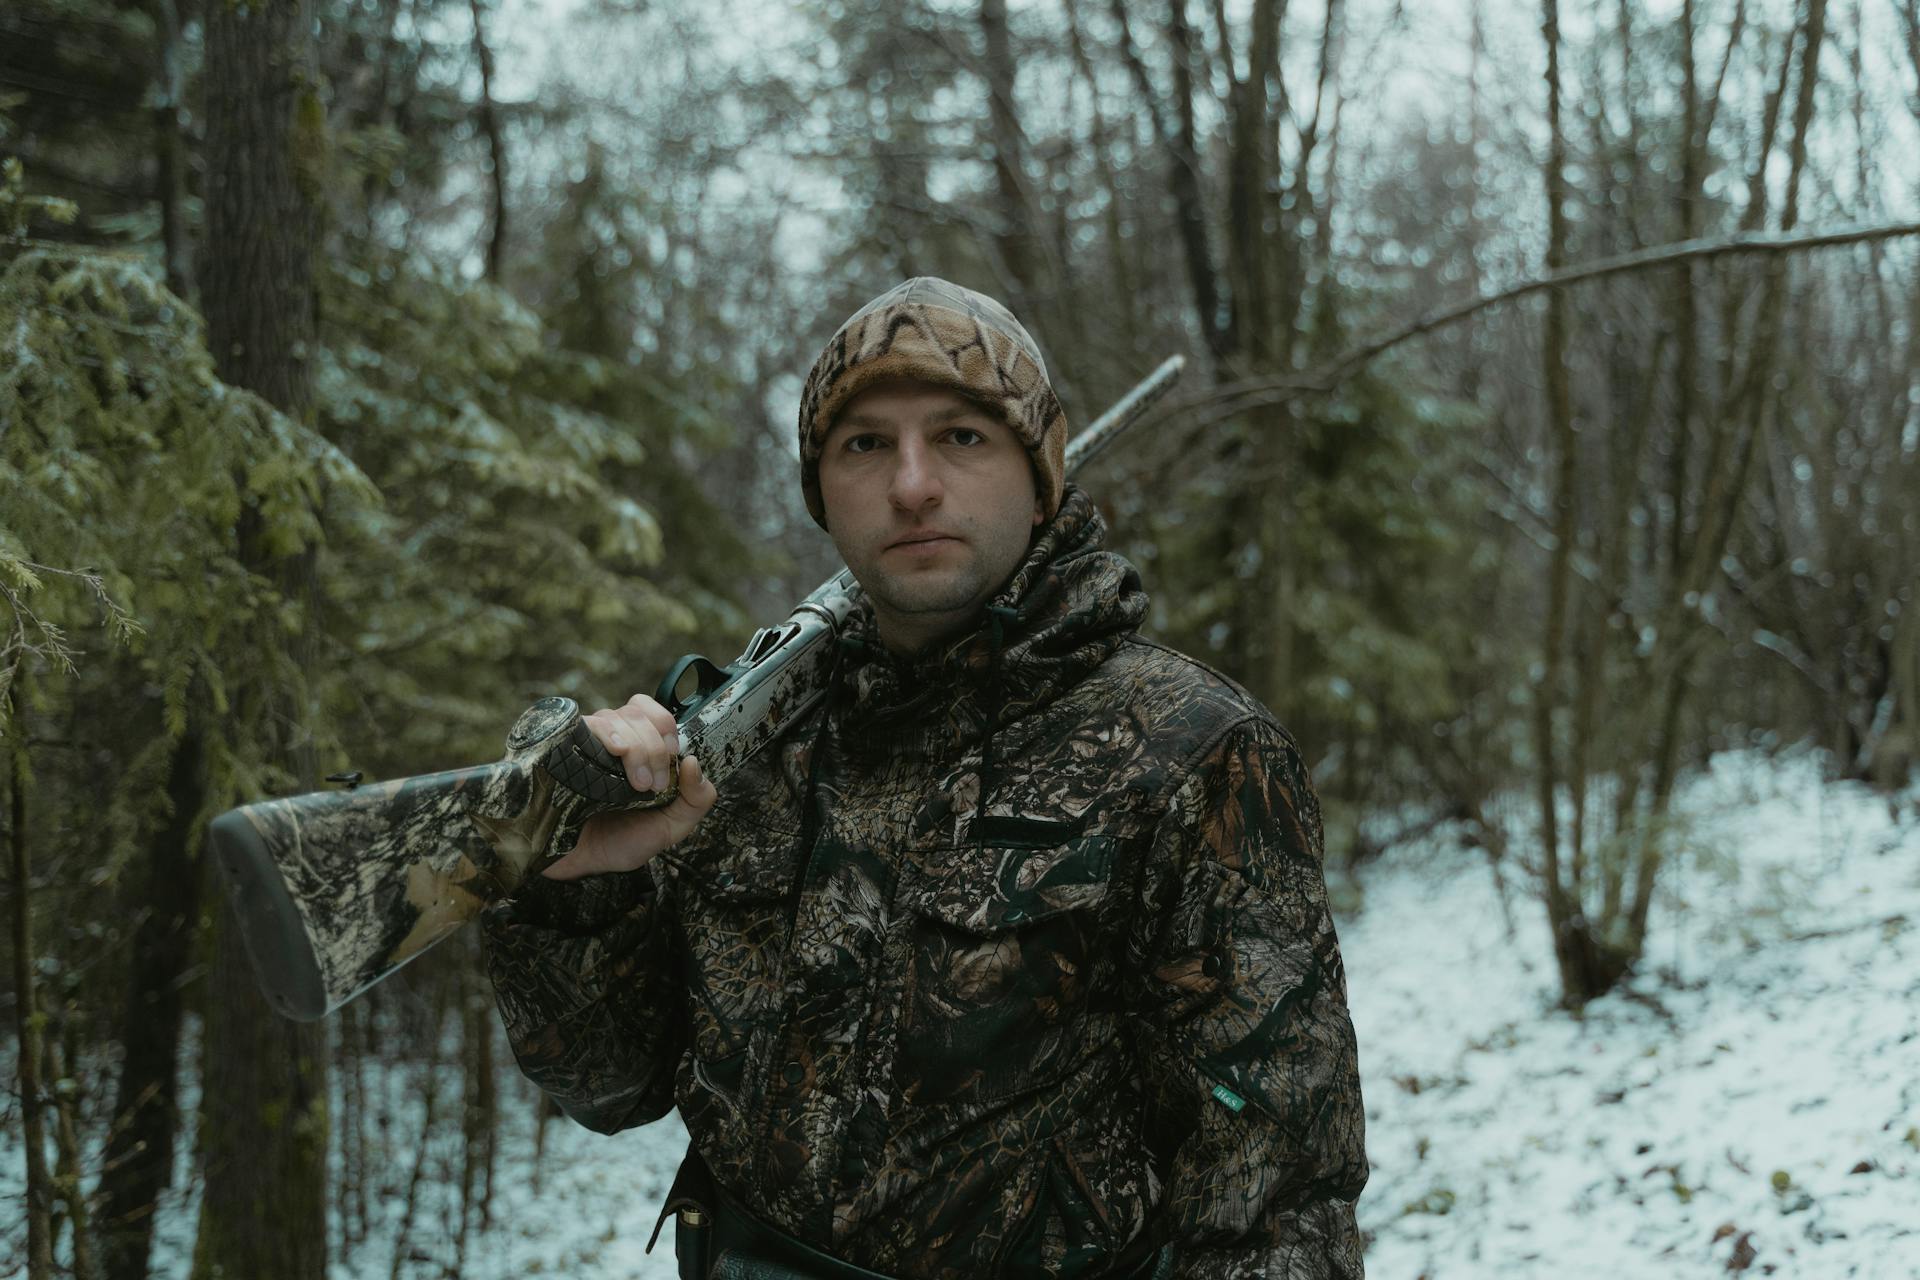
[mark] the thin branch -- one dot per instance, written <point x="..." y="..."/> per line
<point x="1719" y="80"/>
<point x="1328" y="34"/>
<point x="1248" y="393"/>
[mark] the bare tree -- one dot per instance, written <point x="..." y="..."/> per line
<point x="1580" y="966"/>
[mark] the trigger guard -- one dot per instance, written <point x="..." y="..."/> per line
<point x="710" y="679"/>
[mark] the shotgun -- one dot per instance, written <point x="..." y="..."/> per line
<point x="337" y="889"/>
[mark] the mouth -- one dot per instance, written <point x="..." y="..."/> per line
<point x="928" y="540"/>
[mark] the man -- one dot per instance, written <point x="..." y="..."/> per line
<point x="1014" y="957"/>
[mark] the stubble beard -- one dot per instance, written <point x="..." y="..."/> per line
<point x="917" y="611"/>
<point x="921" y="595"/>
<point x="918" y="608"/>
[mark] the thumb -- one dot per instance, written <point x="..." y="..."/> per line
<point x="696" y="796"/>
<point x="625" y="841"/>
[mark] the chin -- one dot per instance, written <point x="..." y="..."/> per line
<point x="920" y="598"/>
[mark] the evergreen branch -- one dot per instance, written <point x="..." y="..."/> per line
<point x="118" y="620"/>
<point x="1249" y="393"/>
<point x="156" y="330"/>
<point x="52" y="646"/>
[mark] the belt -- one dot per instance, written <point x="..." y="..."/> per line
<point x="715" y="1237"/>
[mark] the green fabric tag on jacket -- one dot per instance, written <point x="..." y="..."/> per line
<point x="1231" y="1100"/>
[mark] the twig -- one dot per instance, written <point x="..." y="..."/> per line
<point x="1878" y="922"/>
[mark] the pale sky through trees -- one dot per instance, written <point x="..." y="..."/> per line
<point x="1400" y="63"/>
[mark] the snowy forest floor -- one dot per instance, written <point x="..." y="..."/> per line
<point x="1750" y="1102"/>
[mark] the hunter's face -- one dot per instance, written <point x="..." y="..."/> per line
<point x="931" y="501"/>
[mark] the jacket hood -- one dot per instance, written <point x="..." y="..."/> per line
<point x="1066" y="608"/>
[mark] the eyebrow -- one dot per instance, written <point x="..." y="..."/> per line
<point x="949" y="414"/>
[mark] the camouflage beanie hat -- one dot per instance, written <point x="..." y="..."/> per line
<point x="938" y="332"/>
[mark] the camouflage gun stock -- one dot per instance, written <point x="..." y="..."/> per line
<point x="335" y="890"/>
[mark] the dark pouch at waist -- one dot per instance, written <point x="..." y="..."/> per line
<point x="745" y="1248"/>
<point x="715" y="1238"/>
<point x="690" y="1201"/>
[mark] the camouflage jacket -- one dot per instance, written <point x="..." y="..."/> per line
<point x="994" y="964"/>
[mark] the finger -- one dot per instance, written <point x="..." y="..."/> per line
<point x="623" y="741"/>
<point x="658" y="716"/>
<point x="644" y="754"/>
<point x="615" y="730"/>
<point x="606" y="729"/>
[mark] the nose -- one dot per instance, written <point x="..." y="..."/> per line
<point x="916" y="475"/>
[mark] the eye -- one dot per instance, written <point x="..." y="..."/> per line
<point x="865" y="442"/>
<point x="967" y="437"/>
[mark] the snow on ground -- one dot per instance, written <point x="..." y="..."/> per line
<point x="1750" y="1102"/>
<point x="585" y="1211"/>
<point x="626" y="1197"/>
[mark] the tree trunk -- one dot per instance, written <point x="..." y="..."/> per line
<point x="1686" y="321"/>
<point x="1725" y="491"/>
<point x="1014" y="240"/>
<point x="545" y="1112"/>
<point x="479" y="1117"/>
<point x="358" y="1034"/>
<point x="345" y="1124"/>
<point x="430" y="1073"/>
<point x="1183" y="176"/>
<point x="138" y="1163"/>
<point x="1257" y="515"/>
<point x="496" y="143"/>
<point x="170" y="186"/>
<point x="1255" y="313"/>
<point x="265" y="1138"/>
<point x="29" y="1022"/>
<point x="66" y="1179"/>
<point x="1571" y="937"/>
<point x="266" y="167"/>
<point x="1910" y="31"/>
<point x="1119" y="262"/>
<point x="1627" y="443"/>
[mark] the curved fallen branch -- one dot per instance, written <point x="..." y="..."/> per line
<point x="1233" y="397"/>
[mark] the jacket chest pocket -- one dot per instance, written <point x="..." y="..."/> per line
<point x="734" y="892"/>
<point x="1003" y="947"/>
